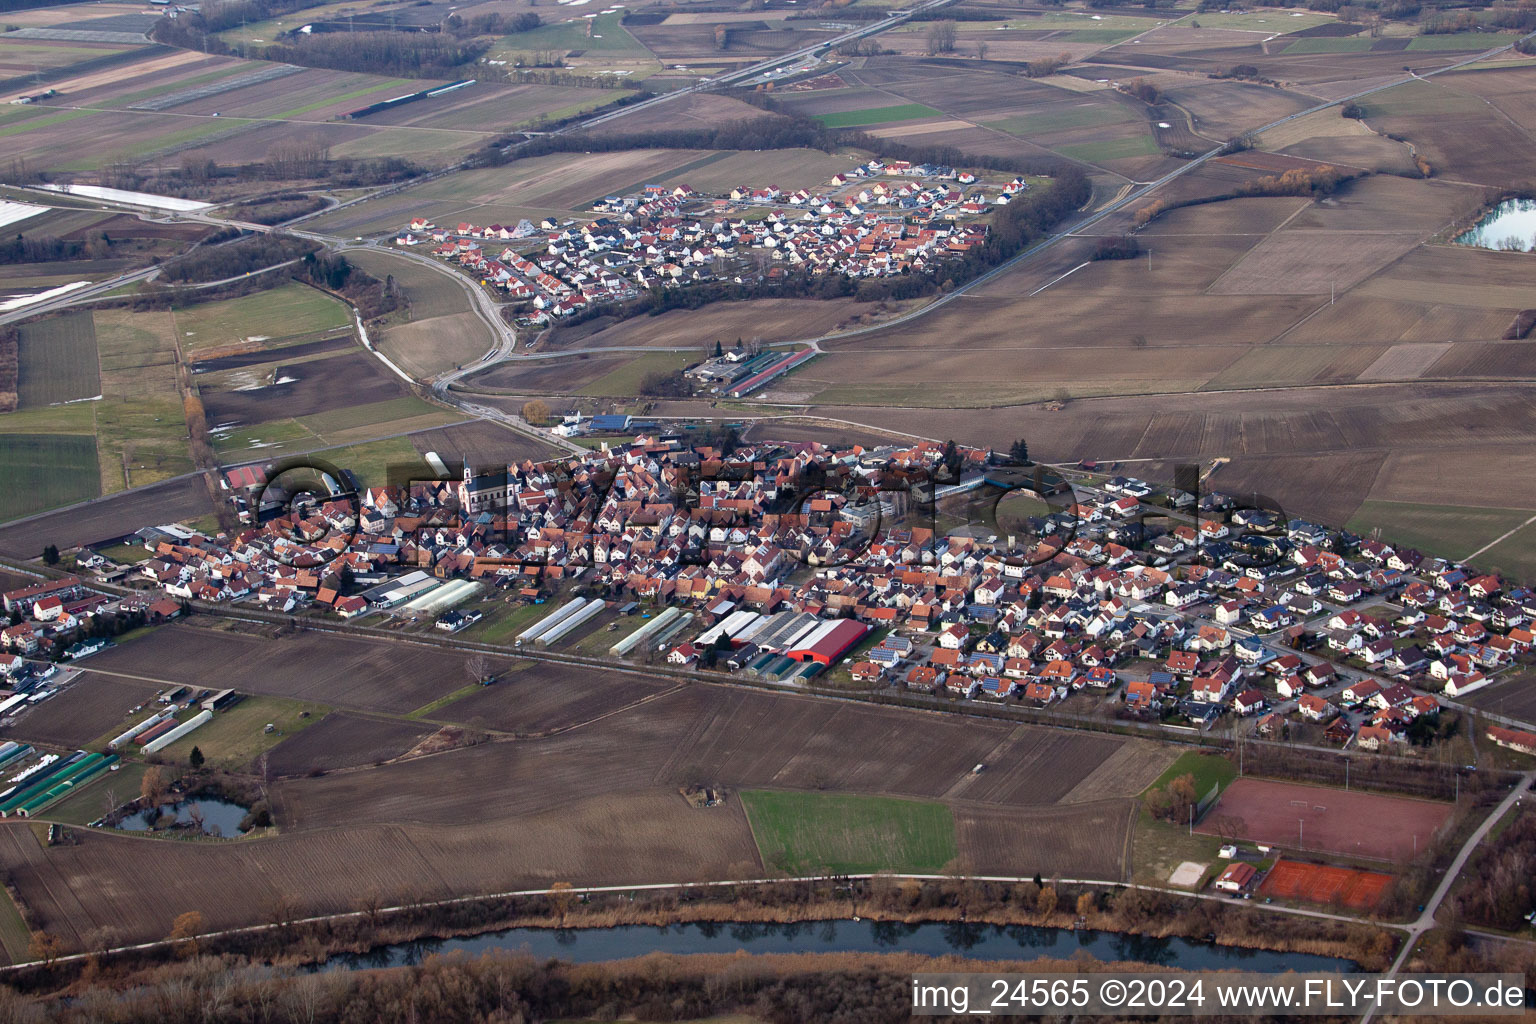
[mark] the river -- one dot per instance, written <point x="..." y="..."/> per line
<point x="976" y="941"/>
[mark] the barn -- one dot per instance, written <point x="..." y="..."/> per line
<point x="828" y="641"/>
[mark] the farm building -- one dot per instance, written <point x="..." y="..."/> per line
<point x="1237" y="878"/>
<point x="828" y="642"/>
<point x="645" y="632"/>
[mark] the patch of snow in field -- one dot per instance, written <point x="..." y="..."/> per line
<point x="27" y="300"/>
<point x="11" y="213"/>
<point x="135" y="198"/>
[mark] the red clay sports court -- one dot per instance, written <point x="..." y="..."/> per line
<point x="1348" y="822"/>
<point x="1322" y="883"/>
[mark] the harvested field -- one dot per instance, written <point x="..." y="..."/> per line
<point x="1513" y="695"/>
<point x="427" y="348"/>
<point x="1276" y="364"/>
<point x="719" y="736"/>
<point x="1487" y="360"/>
<point x="1405" y="362"/>
<point x="768" y="320"/>
<point x="1314" y="818"/>
<point x="544" y="699"/>
<point x="311" y="387"/>
<point x="340" y="740"/>
<point x="1020" y="769"/>
<point x="693" y="110"/>
<point x="108" y="518"/>
<point x="84" y="711"/>
<point x="1324" y="883"/>
<point x="342" y="671"/>
<point x="479" y="443"/>
<point x="1294" y="262"/>
<point x="58" y="360"/>
<point x="1503" y="477"/>
<point x="550" y="376"/>
<point x="302" y="350"/>
<point x="138" y="887"/>
<point x="1463" y="135"/>
<point x="1456" y="275"/>
<point x="1092" y="840"/>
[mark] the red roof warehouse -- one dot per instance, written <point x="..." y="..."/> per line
<point x="828" y="641"/>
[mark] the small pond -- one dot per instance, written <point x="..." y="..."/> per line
<point x="1508" y="227"/>
<point x="220" y="817"/>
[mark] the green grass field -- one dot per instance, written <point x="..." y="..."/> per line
<point x="1513" y="557"/>
<point x="106" y="791"/>
<point x="878" y="115"/>
<point x="44" y="471"/>
<point x="1262" y="20"/>
<point x="14" y="935"/>
<point x="1454" y="531"/>
<point x="401" y="84"/>
<point x="625" y="381"/>
<point x="371" y="460"/>
<point x="58" y="361"/>
<point x="351" y="417"/>
<point x="803" y="832"/>
<point x="1329" y="44"/>
<point x="1111" y="149"/>
<point x="1086" y="115"/>
<point x="235" y="737"/>
<point x="1208" y="769"/>
<point x="276" y="313"/>
<point x="1101" y="35"/>
<point x="1470" y="41"/>
<point x="503" y="622"/>
<point x="444" y="701"/>
<point x="265" y="439"/>
<point x="124" y="554"/>
<point x="608" y="36"/>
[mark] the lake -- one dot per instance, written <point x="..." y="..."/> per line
<point x="976" y="941"/>
<point x="1510" y="226"/>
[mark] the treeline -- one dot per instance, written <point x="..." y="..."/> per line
<point x="408" y="55"/>
<point x="276" y="209"/>
<point x="49" y="249"/>
<point x="1124" y="247"/>
<point x="1515" y="19"/>
<point x="491" y="24"/>
<point x="226" y="14"/>
<point x="1496" y="891"/>
<point x="331" y="271"/>
<point x="243" y="256"/>
<point x="10" y="366"/>
<point x="1321" y="181"/>
<point x="783" y="130"/>
<point x="404" y="54"/>
<point x="286" y="160"/>
<point x="1295" y="182"/>
<point x="512" y="988"/>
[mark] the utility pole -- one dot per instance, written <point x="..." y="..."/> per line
<point x="1346" y="775"/>
<point x="1149" y="261"/>
<point x="1301" y="841"/>
<point x="1332" y="286"/>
